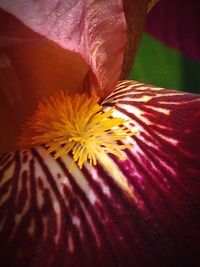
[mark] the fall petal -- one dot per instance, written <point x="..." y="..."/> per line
<point x="143" y="211"/>
<point x="168" y="127"/>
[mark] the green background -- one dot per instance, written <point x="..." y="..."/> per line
<point x="161" y="65"/>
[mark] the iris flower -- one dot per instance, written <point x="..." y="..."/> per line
<point x="135" y="202"/>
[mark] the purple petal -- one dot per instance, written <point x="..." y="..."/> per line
<point x="95" y="29"/>
<point x="143" y="211"/>
<point x="176" y="24"/>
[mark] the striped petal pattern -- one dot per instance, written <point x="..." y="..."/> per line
<point x="143" y="211"/>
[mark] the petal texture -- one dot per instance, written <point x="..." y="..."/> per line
<point x="143" y="211"/>
<point x="95" y="29"/>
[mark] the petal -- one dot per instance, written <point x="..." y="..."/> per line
<point x="31" y="67"/>
<point x="168" y="125"/>
<point x="181" y="31"/>
<point x="135" y="13"/>
<point x="95" y="29"/>
<point x="143" y="211"/>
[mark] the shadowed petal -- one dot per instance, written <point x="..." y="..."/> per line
<point x="143" y="211"/>
<point x="63" y="45"/>
<point x="181" y="31"/>
<point x="95" y="29"/>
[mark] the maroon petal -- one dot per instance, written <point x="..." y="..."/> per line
<point x="143" y="211"/>
<point x="95" y="29"/>
<point x="176" y="24"/>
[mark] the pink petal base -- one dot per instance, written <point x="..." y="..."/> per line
<point x="49" y="217"/>
<point x="94" y="29"/>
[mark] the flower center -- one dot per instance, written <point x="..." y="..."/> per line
<point x="75" y="124"/>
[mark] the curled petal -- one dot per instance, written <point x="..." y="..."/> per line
<point x="135" y="13"/>
<point x="143" y="211"/>
<point x="95" y="29"/>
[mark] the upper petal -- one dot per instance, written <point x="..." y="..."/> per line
<point x="181" y="31"/>
<point x="95" y="29"/>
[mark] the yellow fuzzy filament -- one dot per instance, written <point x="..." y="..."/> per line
<point x="75" y="124"/>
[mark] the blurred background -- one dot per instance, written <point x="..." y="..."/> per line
<point x="169" y="53"/>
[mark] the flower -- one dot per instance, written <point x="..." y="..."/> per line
<point x="141" y="211"/>
<point x="77" y="124"/>
<point x="89" y="217"/>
